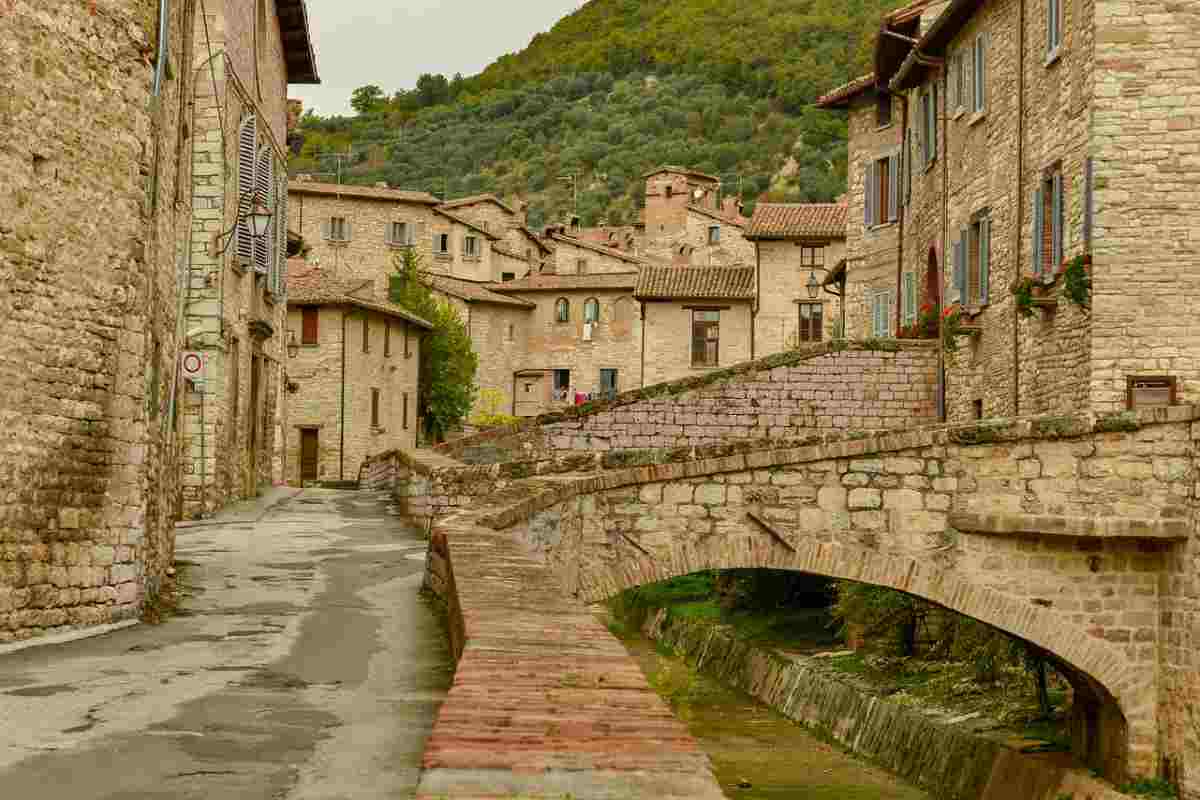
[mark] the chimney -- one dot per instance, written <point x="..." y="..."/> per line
<point x="731" y="207"/>
<point x="681" y="256"/>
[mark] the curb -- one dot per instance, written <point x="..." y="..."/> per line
<point x="67" y="637"/>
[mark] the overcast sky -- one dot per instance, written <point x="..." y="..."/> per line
<point x="390" y="43"/>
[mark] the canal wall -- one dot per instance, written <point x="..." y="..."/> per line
<point x="944" y="757"/>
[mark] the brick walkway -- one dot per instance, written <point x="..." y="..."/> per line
<point x="545" y="702"/>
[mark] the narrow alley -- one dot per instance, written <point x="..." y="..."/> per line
<point x="302" y="663"/>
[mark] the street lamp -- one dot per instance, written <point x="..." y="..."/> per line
<point x="293" y="347"/>
<point x="259" y="219"/>
<point x="813" y="285"/>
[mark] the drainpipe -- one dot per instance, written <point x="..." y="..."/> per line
<point x="901" y="212"/>
<point x="342" y="406"/>
<point x="1019" y="205"/>
<point x="945" y="127"/>
<point x="757" y="297"/>
<point x="643" y="368"/>
<point x="164" y="13"/>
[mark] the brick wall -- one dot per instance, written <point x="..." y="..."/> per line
<point x="88" y="290"/>
<point x="790" y="395"/>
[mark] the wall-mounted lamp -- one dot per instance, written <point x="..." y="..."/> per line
<point x="813" y="285"/>
<point x="293" y="346"/>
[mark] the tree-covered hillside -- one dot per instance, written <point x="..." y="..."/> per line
<point x="611" y="91"/>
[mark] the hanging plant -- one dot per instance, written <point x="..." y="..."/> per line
<point x="1077" y="283"/>
<point x="951" y="328"/>
<point x="1023" y="293"/>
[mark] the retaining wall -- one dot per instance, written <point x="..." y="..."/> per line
<point x="950" y="760"/>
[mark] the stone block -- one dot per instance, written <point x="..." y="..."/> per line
<point x="903" y="500"/>
<point x="677" y="493"/>
<point x="832" y="498"/>
<point x="865" y="498"/>
<point x="710" y="494"/>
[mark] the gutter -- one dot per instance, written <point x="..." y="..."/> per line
<point x="902" y="213"/>
<point x="164" y="13"/>
<point x="757" y="297"/>
<point x="342" y="405"/>
<point x="642" y="303"/>
<point x="1020" y="206"/>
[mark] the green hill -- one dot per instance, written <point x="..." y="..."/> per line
<point x="612" y="90"/>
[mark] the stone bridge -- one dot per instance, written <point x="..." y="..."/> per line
<point x="1074" y="534"/>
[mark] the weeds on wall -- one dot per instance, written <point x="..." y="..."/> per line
<point x="1077" y="283"/>
<point x="1022" y="292"/>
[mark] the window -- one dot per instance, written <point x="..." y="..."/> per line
<point x="400" y="234"/>
<point x="979" y="83"/>
<point x="812" y="318"/>
<point x="608" y="383"/>
<point x="309" y="330"/>
<point x="562" y="310"/>
<point x="591" y="310"/>
<point x="581" y="266"/>
<point x="505" y="277"/>
<point x="908" y="299"/>
<point x="387" y="338"/>
<point x="338" y="229"/>
<point x="512" y="332"/>
<point x="374" y="408"/>
<point x="812" y="256"/>
<point x="562" y="385"/>
<point x="366" y="333"/>
<point x="883" y="109"/>
<point x="959" y="79"/>
<point x="882" y="303"/>
<point x="972" y="262"/>
<point x="1053" y="28"/>
<point x="977" y="408"/>
<point x="528" y="253"/>
<point x="404" y="410"/>
<point x="407" y="352"/>
<point x="1150" y="392"/>
<point x="882" y="191"/>
<point x="714" y="234"/>
<point x="706" y="338"/>
<point x="470" y="247"/>
<point x="1047" y="232"/>
<point x="441" y="243"/>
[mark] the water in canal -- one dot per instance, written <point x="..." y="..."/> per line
<point x="751" y="744"/>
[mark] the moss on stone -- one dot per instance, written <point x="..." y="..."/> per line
<point x="1059" y="427"/>
<point x="1125" y="422"/>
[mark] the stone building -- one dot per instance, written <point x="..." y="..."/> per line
<point x="247" y="52"/>
<point x="518" y="243"/>
<point x="578" y="256"/>
<point x="352" y="374"/>
<point x="696" y="319"/>
<point x="795" y="244"/>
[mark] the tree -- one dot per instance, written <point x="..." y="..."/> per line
<point x="366" y="99"/>
<point x="449" y="363"/>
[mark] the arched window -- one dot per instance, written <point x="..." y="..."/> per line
<point x="591" y="310"/>
<point x="562" y="310"/>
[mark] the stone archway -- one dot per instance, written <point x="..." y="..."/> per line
<point x="1099" y="726"/>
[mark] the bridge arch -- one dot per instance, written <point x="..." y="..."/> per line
<point x="1099" y="724"/>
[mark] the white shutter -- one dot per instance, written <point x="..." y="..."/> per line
<point x="281" y="216"/>
<point x="985" y="257"/>
<point x="263" y="182"/>
<point x="1039" y="225"/>
<point x="247" y="154"/>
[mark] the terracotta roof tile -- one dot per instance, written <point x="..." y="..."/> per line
<point x="312" y="286"/>
<point x="846" y="92"/>
<point x="712" y="213"/>
<point x="596" y="248"/>
<point x="476" y="200"/>
<point x="696" y="283"/>
<point x="552" y="282"/>
<point x="362" y="192"/>
<point x="464" y="221"/>
<point x="471" y="291"/>
<point x="798" y="221"/>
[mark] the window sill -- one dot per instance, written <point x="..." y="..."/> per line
<point x="881" y="226"/>
<point x="378" y="431"/>
<point x="976" y="118"/>
<point x="879" y="128"/>
<point x="472" y="258"/>
<point x="1053" y="57"/>
<point x="705" y="368"/>
<point x="443" y="256"/>
<point x="929" y="166"/>
<point x="337" y="242"/>
<point x="396" y="246"/>
<point x="958" y="112"/>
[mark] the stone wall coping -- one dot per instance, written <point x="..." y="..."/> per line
<point x="691" y="383"/>
<point x="1083" y="527"/>
<point x="734" y="458"/>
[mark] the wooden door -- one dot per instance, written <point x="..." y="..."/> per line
<point x="308" y="454"/>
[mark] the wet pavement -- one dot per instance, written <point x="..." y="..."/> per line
<point x="303" y="663"/>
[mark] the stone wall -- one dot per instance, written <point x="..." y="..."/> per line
<point x="667" y="355"/>
<point x="951" y="759"/>
<point x="820" y="388"/>
<point x="92" y="216"/>
<point x="782" y="282"/>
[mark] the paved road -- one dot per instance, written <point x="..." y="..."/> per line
<point x="303" y="665"/>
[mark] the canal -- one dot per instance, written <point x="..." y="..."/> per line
<point x="757" y="753"/>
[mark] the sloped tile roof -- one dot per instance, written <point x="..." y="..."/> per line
<point x="361" y="192"/>
<point x="798" y="221"/>
<point x="475" y="200"/>
<point x="552" y="282"/>
<point x="712" y="213"/>
<point x="471" y="291"/>
<point x="696" y="283"/>
<point x="596" y="248"/>
<point x="311" y="286"/>
<point x="842" y="94"/>
<point x="464" y="221"/>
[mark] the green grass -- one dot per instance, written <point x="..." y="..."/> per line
<point x="1156" y="788"/>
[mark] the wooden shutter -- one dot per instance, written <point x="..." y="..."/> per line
<point x="309" y="331"/>
<point x="1056" y="255"/>
<point x="978" y="96"/>
<point x="1039" y="225"/>
<point x="869" y="194"/>
<point x="281" y="229"/>
<point x="891" y="312"/>
<point x="1088" y="200"/>
<point x="893" y="188"/>
<point x="952" y="77"/>
<point x="247" y="155"/>
<point x="985" y="257"/>
<point x="960" y="266"/>
<point x="262" y="191"/>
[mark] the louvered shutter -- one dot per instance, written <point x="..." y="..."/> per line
<point x="869" y="194"/>
<point x="281" y="228"/>
<point x="1039" y="225"/>
<point x="960" y="267"/>
<point x="262" y="192"/>
<point x="1088" y="200"/>
<point x="977" y="96"/>
<point x="247" y="155"/>
<point x="891" y="312"/>
<point x="985" y="258"/>
<point x="953" y="77"/>
<point x="349" y="230"/>
<point x="1056" y="255"/>
<point x="893" y="187"/>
